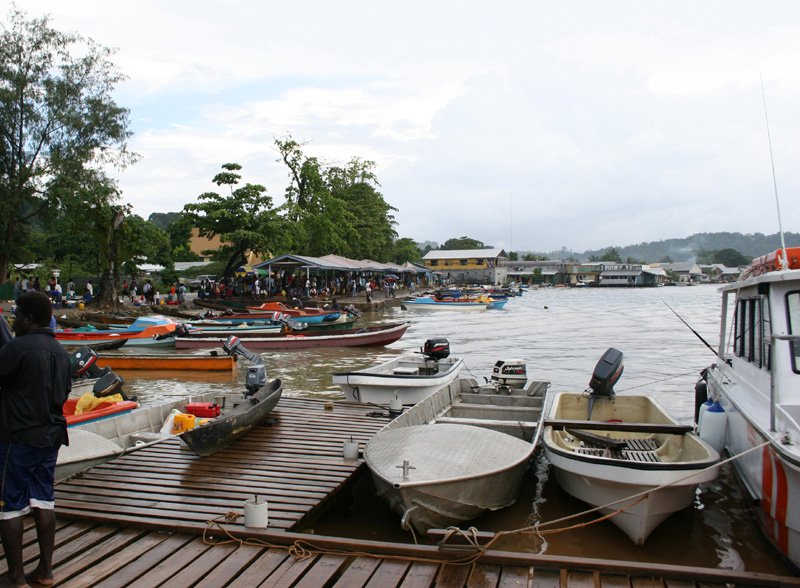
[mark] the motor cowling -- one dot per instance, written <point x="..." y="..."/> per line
<point x="606" y="373"/>
<point x="82" y="362"/>
<point x="436" y="349"/>
<point x="510" y="372"/>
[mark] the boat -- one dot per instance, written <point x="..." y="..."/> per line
<point x="752" y="392"/>
<point x="206" y="362"/>
<point x="432" y="302"/>
<point x="409" y="377"/>
<point x="461" y="451"/>
<point x="98" y="412"/>
<point x="95" y="442"/>
<point x="373" y="335"/>
<point x="152" y="331"/>
<point x="305" y="314"/>
<point x="261" y="397"/>
<point x="624" y="454"/>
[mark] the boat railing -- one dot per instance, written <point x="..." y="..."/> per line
<point x="773" y="371"/>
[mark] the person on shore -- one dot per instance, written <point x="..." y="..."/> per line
<point x="34" y="384"/>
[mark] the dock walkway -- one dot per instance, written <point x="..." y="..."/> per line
<point x="143" y="520"/>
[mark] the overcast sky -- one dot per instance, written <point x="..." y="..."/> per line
<point x="527" y="125"/>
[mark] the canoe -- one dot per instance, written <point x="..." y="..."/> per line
<point x="220" y="432"/>
<point x="205" y="362"/>
<point x="429" y="302"/>
<point x="410" y="377"/>
<point x="625" y="452"/>
<point x="460" y="452"/>
<point x="374" y="335"/>
<point x="99" y="441"/>
<point x="307" y="314"/>
<point x="153" y="331"/>
<point x="101" y="411"/>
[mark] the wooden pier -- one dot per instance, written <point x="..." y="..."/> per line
<point x="162" y="516"/>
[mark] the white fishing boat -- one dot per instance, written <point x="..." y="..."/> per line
<point x="625" y="454"/>
<point x="461" y="451"/>
<point x="410" y="377"/>
<point x="753" y="391"/>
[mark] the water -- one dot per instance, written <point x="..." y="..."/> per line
<point x="560" y="334"/>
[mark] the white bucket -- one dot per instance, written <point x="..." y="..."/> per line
<point x="350" y="450"/>
<point x="714" y="429"/>
<point x="256" y="513"/>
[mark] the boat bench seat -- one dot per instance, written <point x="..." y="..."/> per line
<point x="406" y="370"/>
<point x="487" y="423"/>
<point x="641" y="450"/>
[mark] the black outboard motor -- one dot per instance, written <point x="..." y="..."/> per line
<point x="607" y="372"/>
<point x="436" y="349"/>
<point x="83" y="363"/>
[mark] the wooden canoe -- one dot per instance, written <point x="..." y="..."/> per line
<point x="208" y="362"/>
<point x="222" y="431"/>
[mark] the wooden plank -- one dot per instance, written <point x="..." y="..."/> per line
<point x="358" y="572"/>
<point x="514" y="576"/>
<point x="260" y="568"/>
<point x="623" y="427"/>
<point x="112" y="563"/>
<point x="194" y="573"/>
<point x="142" y="565"/>
<point x="576" y="579"/>
<point x="82" y="561"/>
<point x="288" y="572"/>
<point x="615" y="581"/>
<point x="30" y="550"/>
<point x="420" y="575"/>
<point x="232" y="566"/>
<point x="646" y="582"/>
<point x="323" y="570"/>
<point x="546" y="577"/>
<point x="485" y="575"/>
<point x="389" y="573"/>
<point x="675" y="583"/>
<point x="172" y="564"/>
<point x="452" y="575"/>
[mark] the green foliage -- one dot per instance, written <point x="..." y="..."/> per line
<point x="57" y="117"/>
<point x="611" y="254"/>
<point x="463" y="243"/>
<point x="244" y="219"/>
<point x="728" y="257"/>
<point x="404" y="250"/>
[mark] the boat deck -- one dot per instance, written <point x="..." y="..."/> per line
<point x="641" y="450"/>
<point x="158" y="517"/>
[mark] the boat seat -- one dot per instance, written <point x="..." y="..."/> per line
<point x="641" y="450"/>
<point x="487" y="423"/>
<point x="405" y="370"/>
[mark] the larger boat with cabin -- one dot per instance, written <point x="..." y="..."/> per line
<point x="752" y="392"/>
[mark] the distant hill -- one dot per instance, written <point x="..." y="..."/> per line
<point x="163" y="219"/>
<point x="750" y="245"/>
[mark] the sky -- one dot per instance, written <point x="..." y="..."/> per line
<point x="528" y="125"/>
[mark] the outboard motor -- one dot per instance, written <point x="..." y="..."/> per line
<point x="83" y="363"/>
<point x="257" y="373"/>
<point x="509" y="372"/>
<point x="606" y="373"/>
<point x="436" y="349"/>
<point x="109" y="384"/>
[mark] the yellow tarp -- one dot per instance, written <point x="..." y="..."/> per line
<point x="88" y="401"/>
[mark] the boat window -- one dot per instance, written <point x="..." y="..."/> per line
<point x="793" y="310"/>
<point x="747" y="341"/>
<point x="756" y="332"/>
<point x="766" y="340"/>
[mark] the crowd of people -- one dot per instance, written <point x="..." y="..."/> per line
<point x="53" y="289"/>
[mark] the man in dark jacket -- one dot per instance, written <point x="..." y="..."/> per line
<point x="34" y="384"/>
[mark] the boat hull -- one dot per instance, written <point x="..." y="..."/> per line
<point x="459" y="472"/>
<point x="425" y="302"/>
<point x="588" y="467"/>
<point x="361" y="337"/>
<point x="381" y="384"/>
<point x="214" y="363"/>
<point x="208" y="439"/>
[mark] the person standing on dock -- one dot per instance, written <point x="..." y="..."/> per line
<point x="34" y="384"/>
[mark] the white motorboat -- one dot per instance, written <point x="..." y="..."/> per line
<point x="410" y="377"/>
<point x="459" y="452"/>
<point x="625" y="454"/>
<point x="755" y="383"/>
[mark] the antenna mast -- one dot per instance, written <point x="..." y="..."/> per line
<point x="784" y="258"/>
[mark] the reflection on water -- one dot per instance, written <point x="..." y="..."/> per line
<point x="560" y="334"/>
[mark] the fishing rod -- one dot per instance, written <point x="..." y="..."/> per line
<point x="698" y="335"/>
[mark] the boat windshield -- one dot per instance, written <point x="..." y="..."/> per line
<point x="793" y="310"/>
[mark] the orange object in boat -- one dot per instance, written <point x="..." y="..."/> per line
<point x="774" y="261"/>
<point x="101" y="411"/>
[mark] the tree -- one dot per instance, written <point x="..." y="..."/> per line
<point x="56" y="116"/>
<point x="244" y="219"/>
<point x="404" y="250"/>
<point x="463" y="243"/>
<point x="611" y="254"/>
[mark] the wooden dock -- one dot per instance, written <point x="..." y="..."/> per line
<point x="144" y="520"/>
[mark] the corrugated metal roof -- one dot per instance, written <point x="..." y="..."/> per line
<point x="464" y="254"/>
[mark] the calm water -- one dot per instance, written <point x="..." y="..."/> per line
<point x="560" y="334"/>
